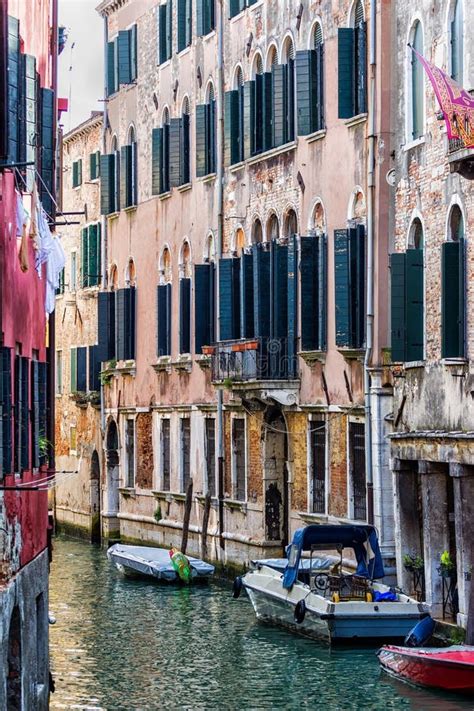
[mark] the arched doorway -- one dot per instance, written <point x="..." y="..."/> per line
<point x="14" y="701"/>
<point x="94" y="489"/>
<point x="275" y="476"/>
<point x="113" y="474"/>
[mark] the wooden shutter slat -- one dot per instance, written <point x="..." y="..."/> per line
<point x="201" y="122"/>
<point x="246" y="297"/>
<point x="342" y="288"/>
<point x="397" y="306"/>
<point x="107" y="184"/>
<point x="361" y="69"/>
<point x="280" y="104"/>
<point x="84" y="258"/>
<point x="185" y="316"/>
<point x="184" y="152"/>
<point x="292" y="306"/>
<point x="249" y="118"/>
<point x="202" y="307"/>
<point x="111" y="88"/>
<point x="346" y="57"/>
<point x="123" y="50"/>
<point x="304" y="91"/>
<point x="175" y="152"/>
<point x="453" y="299"/>
<point x="414" y="287"/>
<point x="261" y="276"/>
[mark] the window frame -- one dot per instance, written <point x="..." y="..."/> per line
<point x="234" y="473"/>
<point x="130" y="483"/>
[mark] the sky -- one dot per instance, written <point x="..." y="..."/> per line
<point x="81" y="73"/>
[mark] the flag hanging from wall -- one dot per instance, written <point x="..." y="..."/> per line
<point x="456" y="103"/>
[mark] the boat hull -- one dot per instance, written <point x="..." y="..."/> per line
<point x="143" y="561"/>
<point x="446" y="669"/>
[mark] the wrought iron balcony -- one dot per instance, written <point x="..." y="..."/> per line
<point x="256" y="359"/>
<point x="461" y="159"/>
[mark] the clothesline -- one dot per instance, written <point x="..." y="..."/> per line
<point x="38" y="175"/>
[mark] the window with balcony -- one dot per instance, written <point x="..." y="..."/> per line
<point x="453" y="281"/>
<point x="206" y="135"/>
<point x="310" y="85"/>
<point x="205" y="17"/>
<point x="239" y="459"/>
<point x="317" y="463"/>
<point x="185" y="452"/>
<point x="352" y="65"/>
<point x="185" y="24"/>
<point x="407" y="298"/>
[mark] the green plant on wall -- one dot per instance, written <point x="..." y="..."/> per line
<point x="44" y="446"/>
<point x="157" y="515"/>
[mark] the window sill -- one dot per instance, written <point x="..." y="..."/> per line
<point x="410" y="365"/>
<point x="355" y="120"/>
<point x="201" y="499"/>
<point x="162" y="495"/>
<point x="454" y="361"/>
<point x="203" y="361"/>
<point x="313" y="357"/>
<point x="236" y="166"/>
<point x="353" y="353"/>
<point x="163" y="364"/>
<point x="413" y="144"/>
<point x="184" y="188"/>
<point x="113" y="215"/>
<point x="184" y="52"/>
<point x="76" y="187"/>
<point x="126" y="367"/>
<point x="316" y="136"/>
<point x="234" y="505"/>
<point x="208" y="178"/>
<point x="209" y="35"/>
<point x="310" y="517"/>
<point x="285" y="148"/>
<point x="165" y="64"/>
<point x="130" y="208"/>
<point x="128" y="492"/>
<point x="184" y="363"/>
<point x="164" y="196"/>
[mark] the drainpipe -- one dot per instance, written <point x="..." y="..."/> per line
<point x="370" y="265"/>
<point x="220" y="240"/>
<point x="103" y="245"/>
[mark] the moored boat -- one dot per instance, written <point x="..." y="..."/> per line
<point x="328" y="602"/>
<point x="154" y="562"/>
<point x="446" y="668"/>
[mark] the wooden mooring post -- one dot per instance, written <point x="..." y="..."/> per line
<point x="187" y="515"/>
<point x="205" y="524"/>
<point x="470" y="612"/>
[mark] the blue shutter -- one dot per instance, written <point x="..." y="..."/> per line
<point x="164" y="319"/>
<point x="185" y="315"/>
<point x="202" y="307"/>
<point x="346" y="58"/>
<point x="229" y="302"/>
<point x="201" y="123"/>
<point x="81" y="372"/>
<point x="397" y="310"/>
<point x="261" y="277"/>
<point x="94" y="368"/>
<point x="453" y="299"/>
<point x="106" y="325"/>
<point x="124" y="64"/>
<point x="246" y="297"/>
<point x="107" y="184"/>
<point x="13" y="95"/>
<point x="342" y="288"/>
<point x="414" y="287"/>
<point x="6" y="408"/>
<point x="292" y="308"/>
<point x="169" y="29"/>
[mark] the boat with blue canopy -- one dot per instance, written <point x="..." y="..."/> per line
<point x="330" y="587"/>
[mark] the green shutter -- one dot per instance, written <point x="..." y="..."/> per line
<point x="414" y="288"/>
<point x="342" y="288"/>
<point x="231" y="123"/>
<point x="290" y="100"/>
<point x="200" y="18"/>
<point x="309" y="293"/>
<point x="6" y="408"/>
<point x="92" y="166"/>
<point x="175" y="152"/>
<point x="29" y="116"/>
<point x="94" y="368"/>
<point x="162" y="34"/>
<point x="279" y="290"/>
<point x="292" y="307"/>
<point x="84" y="258"/>
<point x="126" y="176"/>
<point x="229" y="302"/>
<point x="13" y="94"/>
<point x="156" y="142"/>
<point x="234" y="7"/>
<point x="280" y="104"/>
<point x="111" y="85"/>
<point x="202" y="307"/>
<point x="318" y="90"/>
<point x="133" y="53"/>
<point x="453" y="299"/>
<point x="249" y="118"/>
<point x="81" y="369"/>
<point x="304" y="90"/>
<point x="182" y="25"/>
<point x="345" y="37"/>
<point x="94" y="254"/>
<point x="184" y="153"/>
<point x="123" y="49"/>
<point x="35" y="413"/>
<point x="360" y="38"/>
<point x="185" y="315"/>
<point x="201" y="121"/>
<point x="164" y="319"/>
<point x="357" y="285"/>
<point x="106" y="325"/>
<point x="73" y="370"/>
<point x="397" y="306"/>
<point x="258" y="128"/>
<point x="120" y="324"/>
<point x="24" y="414"/>
<point x="107" y="184"/>
<point x="246" y="297"/>
<point x="48" y="127"/>
<point x="261" y="280"/>
<point x="211" y="138"/>
<point x="169" y="29"/>
<point x="267" y="112"/>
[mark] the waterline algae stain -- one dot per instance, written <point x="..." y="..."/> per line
<point x="126" y="645"/>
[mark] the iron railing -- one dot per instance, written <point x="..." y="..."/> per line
<point x="254" y="359"/>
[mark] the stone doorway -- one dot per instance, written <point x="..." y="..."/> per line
<point x="14" y="696"/>
<point x="95" y="503"/>
<point x="275" y="476"/>
<point x="112" y="457"/>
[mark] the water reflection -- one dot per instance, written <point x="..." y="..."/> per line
<point x="127" y="644"/>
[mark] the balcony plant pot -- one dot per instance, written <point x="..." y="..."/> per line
<point x="208" y="350"/>
<point x="447" y="571"/>
<point x="251" y="345"/>
<point x="238" y="347"/>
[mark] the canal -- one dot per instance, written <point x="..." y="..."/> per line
<point x="127" y="645"/>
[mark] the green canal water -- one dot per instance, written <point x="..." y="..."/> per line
<point x="125" y="645"/>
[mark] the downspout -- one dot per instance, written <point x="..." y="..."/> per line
<point x="103" y="226"/>
<point x="370" y="265"/>
<point x="220" y="240"/>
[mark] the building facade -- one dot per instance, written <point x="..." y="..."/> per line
<point x="432" y="446"/>
<point x="28" y="51"/>
<point x="78" y="435"/>
<point x="242" y="225"/>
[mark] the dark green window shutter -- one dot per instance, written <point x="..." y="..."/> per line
<point x="107" y="184"/>
<point x="79" y="171"/>
<point x="357" y="285"/>
<point x="106" y="325"/>
<point x="292" y="308"/>
<point x="130" y="322"/>
<point x="43" y="405"/>
<point x="94" y="368"/>
<point x="169" y="29"/>
<point x="165" y="159"/>
<point x="133" y="53"/>
<point x="182" y="25"/>
<point x="94" y="254"/>
<point x="126" y="187"/>
<point x="201" y="123"/>
<point x="185" y="315"/>
<point x="48" y="123"/>
<point x="185" y="148"/>
<point x="258" y="127"/>
<point x="6" y="408"/>
<point x="234" y="7"/>
<point x="156" y="153"/>
<point x="290" y="99"/>
<point x="189" y="22"/>
<point x="200" y="31"/>
<point x="304" y="90"/>
<point x="164" y="18"/>
<point x="81" y="372"/>
<point x="261" y="277"/>
<point x="24" y="413"/>
<point x="74" y="174"/>
<point x="246" y="297"/>
<point x="322" y="291"/>
<point x="267" y="112"/>
<point x="280" y="104"/>
<point x="203" y="315"/>
<point x="279" y="290"/>
<point x="35" y="414"/>
<point x="120" y="317"/>
<point x="175" y="153"/>
<point x="229" y="304"/>
<point x="13" y="95"/>
<point x="92" y="166"/>
<point x="414" y="287"/>
<point x="84" y="258"/>
<point x="360" y="42"/>
<point x="111" y="64"/>
<point x="29" y="115"/>
<point x="232" y="132"/>
<point x="453" y="299"/>
<point x="313" y="292"/>
<point x="164" y="320"/>
<point x="123" y="48"/>
<point x="205" y="16"/>
<point x="249" y="118"/>
<point x="397" y="306"/>
<point x="318" y="97"/>
<point x="346" y="58"/>
<point x="211" y="138"/>
<point x="73" y="370"/>
<point x="342" y="288"/>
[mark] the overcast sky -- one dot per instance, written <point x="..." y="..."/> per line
<point x="81" y="74"/>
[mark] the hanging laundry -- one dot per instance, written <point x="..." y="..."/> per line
<point x="56" y="261"/>
<point x="22" y="218"/>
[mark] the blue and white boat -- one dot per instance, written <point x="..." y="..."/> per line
<point x="134" y="561"/>
<point x="317" y="597"/>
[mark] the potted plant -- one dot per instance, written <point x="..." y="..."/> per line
<point x="447" y="567"/>
<point x="208" y="350"/>
<point x="412" y="563"/>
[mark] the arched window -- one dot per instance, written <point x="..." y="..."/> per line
<point x="206" y="134"/>
<point x="234" y="110"/>
<point x="165" y="266"/>
<point x="291" y="223"/>
<point x="164" y="295"/>
<point x="456" y="28"/>
<point x="290" y="90"/>
<point x="185" y="299"/>
<point x="416" y="87"/>
<point x="239" y="242"/>
<point x="128" y="166"/>
<point x="131" y="273"/>
<point x="319" y="219"/>
<point x="453" y="302"/>
<point x="210" y="251"/>
<point x="257" y="232"/>
<point x="415" y="237"/>
<point x="273" y="228"/>
<point x="352" y="65"/>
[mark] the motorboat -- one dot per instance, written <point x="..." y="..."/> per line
<point x="319" y="597"/>
<point x="446" y="668"/>
<point x="134" y="561"/>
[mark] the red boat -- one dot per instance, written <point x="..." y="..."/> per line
<point x="448" y="668"/>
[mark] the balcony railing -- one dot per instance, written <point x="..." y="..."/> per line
<point x="253" y="359"/>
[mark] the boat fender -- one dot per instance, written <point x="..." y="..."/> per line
<point x="300" y="612"/>
<point x="237" y="587"/>
<point x="421" y="633"/>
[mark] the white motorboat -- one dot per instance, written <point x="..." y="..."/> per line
<point x="134" y="561"/>
<point x="318" y="598"/>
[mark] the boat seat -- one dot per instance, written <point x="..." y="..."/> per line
<point x="348" y="587"/>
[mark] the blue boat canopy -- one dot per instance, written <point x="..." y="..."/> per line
<point x="362" y="539"/>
